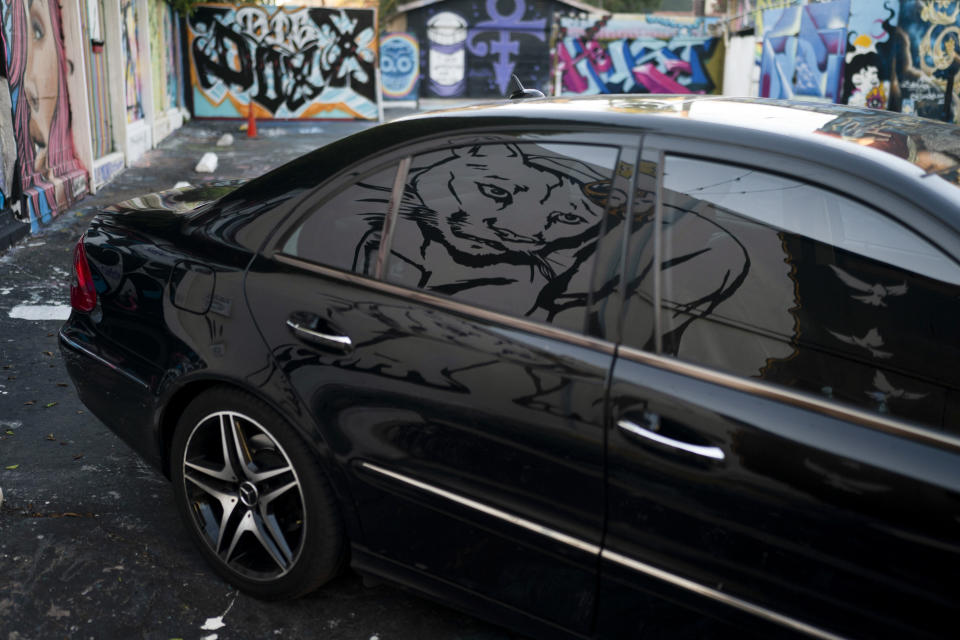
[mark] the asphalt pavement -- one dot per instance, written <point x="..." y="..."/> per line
<point x="90" y="542"/>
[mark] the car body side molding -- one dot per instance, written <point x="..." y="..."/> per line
<point x="79" y="347"/>
<point x="606" y="554"/>
<point x="719" y="596"/>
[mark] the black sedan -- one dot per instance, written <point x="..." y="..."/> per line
<point x="625" y="367"/>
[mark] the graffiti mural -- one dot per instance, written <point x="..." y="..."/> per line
<point x="50" y="175"/>
<point x="803" y="51"/>
<point x="638" y="54"/>
<point x="472" y="48"/>
<point x="133" y="86"/>
<point x="928" y="60"/>
<point x="399" y="66"/>
<point x="158" y="10"/>
<point x="98" y="89"/>
<point x="870" y="44"/>
<point x="171" y="29"/>
<point x="288" y="62"/>
<point x="8" y="148"/>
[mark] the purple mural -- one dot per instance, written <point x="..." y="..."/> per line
<point x="472" y="48"/>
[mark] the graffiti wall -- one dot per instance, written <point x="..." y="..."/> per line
<point x="159" y="10"/>
<point x="868" y="64"/>
<point x="174" y="68"/>
<point x="50" y="176"/>
<point x="132" y="75"/>
<point x="471" y="48"/>
<point x="399" y="66"/>
<point x="927" y="81"/>
<point x="803" y="51"/>
<point x="98" y="91"/>
<point x="288" y="62"/>
<point x="8" y="151"/>
<point x="638" y="54"/>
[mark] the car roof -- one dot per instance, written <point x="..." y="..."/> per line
<point x="932" y="146"/>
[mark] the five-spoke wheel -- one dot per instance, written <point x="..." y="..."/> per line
<point x="254" y="497"/>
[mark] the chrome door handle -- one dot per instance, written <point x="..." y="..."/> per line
<point x="301" y="323"/>
<point x="653" y="420"/>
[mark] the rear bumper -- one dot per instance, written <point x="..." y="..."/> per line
<point x="113" y="391"/>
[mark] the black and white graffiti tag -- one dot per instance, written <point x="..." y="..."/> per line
<point x="300" y="63"/>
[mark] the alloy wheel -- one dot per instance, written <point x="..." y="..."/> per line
<point x="244" y="495"/>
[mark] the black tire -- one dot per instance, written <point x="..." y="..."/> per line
<point x="282" y="536"/>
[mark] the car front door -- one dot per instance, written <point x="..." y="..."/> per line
<point x="444" y="357"/>
<point x="783" y="448"/>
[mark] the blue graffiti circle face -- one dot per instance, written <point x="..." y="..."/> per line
<point x="398" y="65"/>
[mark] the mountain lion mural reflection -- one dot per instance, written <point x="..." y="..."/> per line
<point x="509" y="226"/>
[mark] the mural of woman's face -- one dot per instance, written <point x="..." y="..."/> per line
<point x="41" y="78"/>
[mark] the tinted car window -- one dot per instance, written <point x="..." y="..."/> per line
<point x="772" y="278"/>
<point x="344" y="232"/>
<point x="509" y="227"/>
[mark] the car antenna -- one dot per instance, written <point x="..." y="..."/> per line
<point x="515" y="90"/>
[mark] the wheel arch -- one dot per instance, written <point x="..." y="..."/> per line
<point x="181" y="397"/>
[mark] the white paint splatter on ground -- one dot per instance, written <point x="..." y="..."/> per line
<point x="40" y="312"/>
<point x="212" y="624"/>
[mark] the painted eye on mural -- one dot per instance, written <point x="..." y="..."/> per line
<point x="404" y="65"/>
<point x="498" y="194"/>
<point x="565" y="218"/>
<point x="37" y="28"/>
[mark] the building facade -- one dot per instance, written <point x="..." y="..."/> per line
<point x="88" y="87"/>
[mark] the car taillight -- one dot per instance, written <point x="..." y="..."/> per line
<point x="83" y="295"/>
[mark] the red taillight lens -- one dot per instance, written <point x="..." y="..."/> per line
<point x="83" y="295"/>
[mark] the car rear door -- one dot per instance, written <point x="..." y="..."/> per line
<point x="443" y="355"/>
<point x="783" y="449"/>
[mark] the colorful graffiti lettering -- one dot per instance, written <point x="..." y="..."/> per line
<point x="803" y="50"/>
<point x="867" y="69"/>
<point x="928" y="64"/>
<point x="50" y="175"/>
<point x="399" y="65"/>
<point x="645" y="54"/>
<point x="290" y="63"/>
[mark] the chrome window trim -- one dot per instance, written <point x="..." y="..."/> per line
<point x="658" y="256"/>
<point x="606" y="554"/>
<point x="719" y="596"/>
<point x="418" y="295"/>
<point x="795" y="398"/>
<point x="390" y="221"/>
<point x="763" y="389"/>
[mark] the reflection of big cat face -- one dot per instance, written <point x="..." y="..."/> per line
<point x="495" y="199"/>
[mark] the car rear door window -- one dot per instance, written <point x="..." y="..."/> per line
<point x="344" y="232"/>
<point x="769" y="277"/>
<point x="510" y="227"/>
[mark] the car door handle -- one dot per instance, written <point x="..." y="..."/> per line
<point x="652" y="421"/>
<point x="313" y="328"/>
